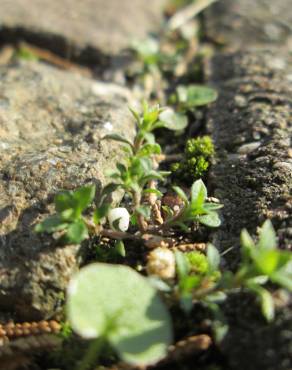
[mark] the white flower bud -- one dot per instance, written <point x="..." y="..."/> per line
<point x="161" y="262"/>
<point x="119" y="219"/>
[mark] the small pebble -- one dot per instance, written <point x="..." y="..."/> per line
<point x="248" y="148"/>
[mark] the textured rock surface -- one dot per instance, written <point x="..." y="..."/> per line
<point x="251" y="124"/>
<point x="252" y="127"/>
<point x="80" y="29"/>
<point x="245" y="23"/>
<point x="51" y="123"/>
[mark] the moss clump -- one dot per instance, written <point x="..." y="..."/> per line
<point x="198" y="263"/>
<point x="197" y="155"/>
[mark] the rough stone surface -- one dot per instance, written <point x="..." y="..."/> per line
<point x="51" y="123"/>
<point x="250" y="23"/>
<point x="80" y="29"/>
<point x="257" y="184"/>
<point x="251" y="124"/>
<point x="254" y="106"/>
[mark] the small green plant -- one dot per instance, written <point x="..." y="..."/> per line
<point x="195" y="209"/>
<point x="134" y="175"/>
<point x="114" y="304"/>
<point x="69" y="220"/>
<point x="196" y="161"/>
<point x="199" y="277"/>
<point x="263" y="262"/>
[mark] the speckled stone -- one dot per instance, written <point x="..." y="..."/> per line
<point x="51" y="124"/>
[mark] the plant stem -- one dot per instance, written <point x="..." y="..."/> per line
<point x="118" y="234"/>
<point x="92" y="354"/>
<point x="140" y="219"/>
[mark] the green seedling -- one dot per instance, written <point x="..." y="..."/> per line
<point x="116" y="305"/>
<point x="263" y="262"/>
<point x="69" y="220"/>
<point x="195" y="209"/>
<point x="197" y="275"/>
<point x="139" y="168"/>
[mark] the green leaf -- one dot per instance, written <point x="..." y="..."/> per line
<point x="212" y="219"/>
<point x="76" y="233"/>
<point x="101" y="212"/>
<point x="213" y="257"/>
<point x="258" y="280"/>
<point x="198" y="193"/>
<point x="179" y="191"/>
<point x="182" y="265"/>
<point x="153" y="191"/>
<point x="173" y="121"/>
<point x="266" y="260"/>
<point x="266" y="300"/>
<point x="64" y="201"/>
<point x="247" y="244"/>
<point x="109" y="189"/>
<point x="116" y="303"/>
<point x="77" y="200"/>
<point x="212" y="206"/>
<point x="84" y="197"/>
<point x="120" y="248"/>
<point x="282" y="278"/>
<point x="195" y="95"/>
<point x="149" y="137"/>
<point x="51" y="224"/>
<point x="267" y="238"/>
<point x="117" y="137"/>
<point x="149" y="149"/>
<point x="135" y="114"/>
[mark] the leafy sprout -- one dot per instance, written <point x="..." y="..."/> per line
<point x="68" y="220"/>
<point x="195" y="209"/>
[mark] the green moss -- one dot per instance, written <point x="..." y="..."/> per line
<point x="197" y="155"/>
<point x="198" y="263"/>
<point x="201" y="146"/>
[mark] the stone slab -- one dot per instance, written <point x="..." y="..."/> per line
<point x="250" y="23"/>
<point x="51" y="124"/>
<point x="77" y="29"/>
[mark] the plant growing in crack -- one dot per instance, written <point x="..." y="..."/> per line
<point x="198" y="277"/>
<point x="137" y="176"/>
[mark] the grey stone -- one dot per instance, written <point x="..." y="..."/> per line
<point x="242" y="24"/>
<point x="50" y="134"/>
<point x="80" y="29"/>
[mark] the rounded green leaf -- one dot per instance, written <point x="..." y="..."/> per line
<point x="195" y="95"/>
<point x="172" y="120"/>
<point x="117" y="303"/>
<point x="212" y="219"/>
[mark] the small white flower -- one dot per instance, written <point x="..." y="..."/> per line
<point x="108" y="126"/>
<point x="119" y="219"/>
